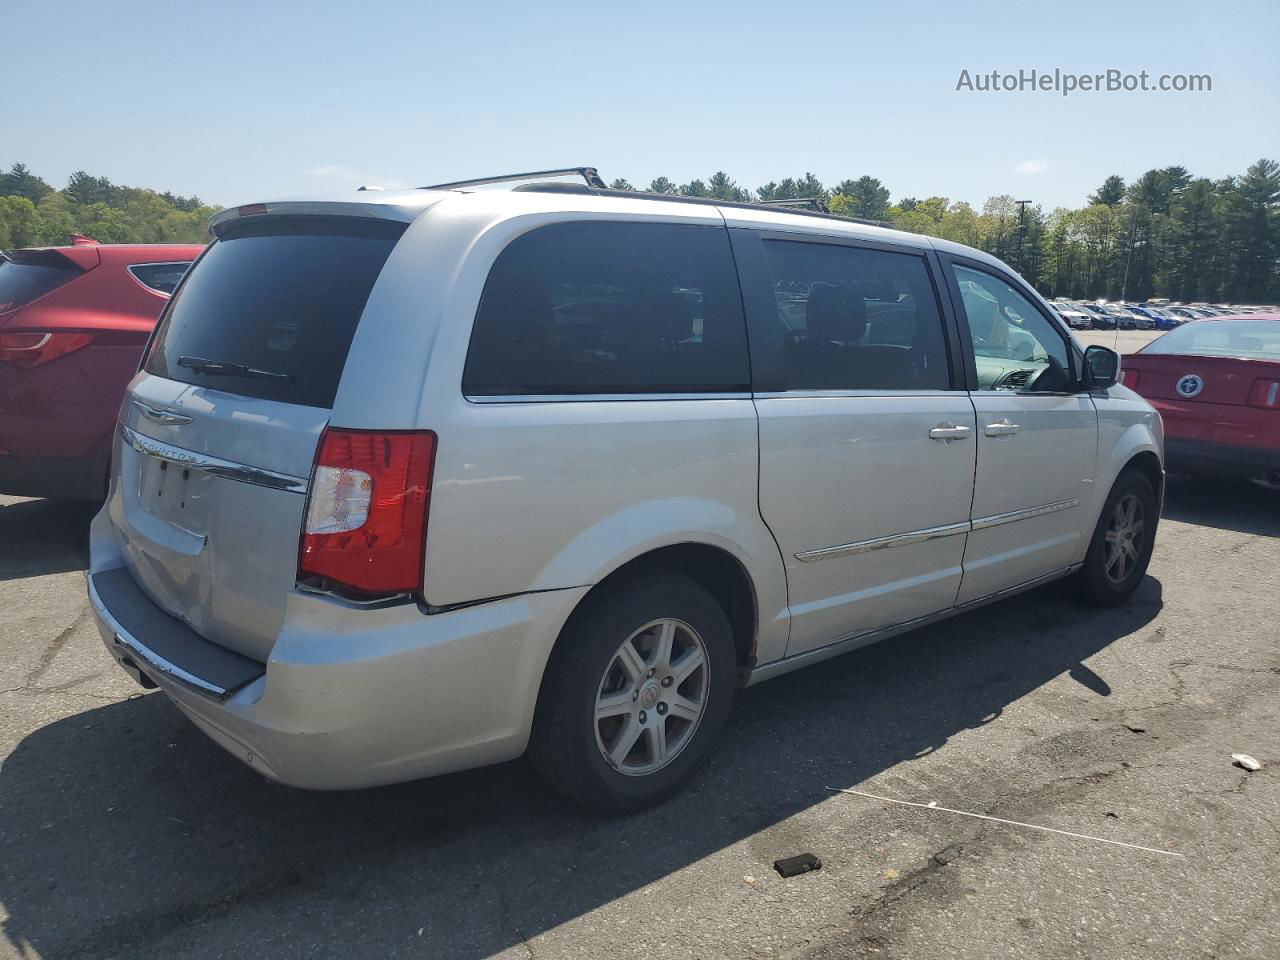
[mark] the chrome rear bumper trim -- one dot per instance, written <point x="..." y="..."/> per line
<point x="212" y="465"/>
<point x="160" y="665"/>
<point x="147" y="660"/>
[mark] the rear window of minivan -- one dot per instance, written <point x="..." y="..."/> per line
<point x="279" y="296"/>
<point x="602" y="307"/>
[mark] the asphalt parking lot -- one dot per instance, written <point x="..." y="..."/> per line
<point x="126" y="833"/>
<point x="1126" y="341"/>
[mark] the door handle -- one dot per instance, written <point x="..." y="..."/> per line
<point x="1001" y="428"/>
<point x="948" y="431"/>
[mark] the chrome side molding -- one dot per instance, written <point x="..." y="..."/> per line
<point x="883" y="543"/>
<point x="932" y="533"/>
<point x="984" y="523"/>
<point x="212" y="465"/>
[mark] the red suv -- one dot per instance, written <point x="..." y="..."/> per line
<point x="73" y="322"/>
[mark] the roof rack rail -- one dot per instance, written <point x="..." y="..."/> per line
<point x="589" y="174"/>
<point x="808" y="203"/>
<point x="800" y="208"/>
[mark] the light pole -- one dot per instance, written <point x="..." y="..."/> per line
<point x="1022" y="227"/>
<point x="1133" y="226"/>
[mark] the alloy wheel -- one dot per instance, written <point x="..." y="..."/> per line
<point x="1124" y="538"/>
<point x="652" y="697"/>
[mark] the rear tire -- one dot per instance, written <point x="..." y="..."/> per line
<point x="636" y="693"/>
<point x="1122" y="542"/>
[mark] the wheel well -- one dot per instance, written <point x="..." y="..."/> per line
<point x="718" y="571"/>
<point x="1148" y="464"/>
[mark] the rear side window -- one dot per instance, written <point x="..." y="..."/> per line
<point x="857" y="319"/>
<point x="27" y="275"/>
<point x="275" y="302"/>
<point x="606" y="308"/>
<point x="160" y="277"/>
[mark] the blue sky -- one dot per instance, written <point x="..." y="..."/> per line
<point x="240" y="102"/>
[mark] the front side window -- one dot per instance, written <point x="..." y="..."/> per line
<point x="855" y="318"/>
<point x="1015" y="346"/>
<point x="600" y="307"/>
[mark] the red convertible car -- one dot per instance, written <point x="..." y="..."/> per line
<point x="73" y="322"/>
<point x="1216" y="383"/>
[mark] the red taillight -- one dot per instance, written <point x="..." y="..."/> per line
<point x="27" y="350"/>
<point x="366" y="522"/>
<point x="1265" y="393"/>
<point x="1129" y="378"/>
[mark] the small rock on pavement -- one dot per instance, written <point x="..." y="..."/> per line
<point x="1135" y="728"/>
<point x="1246" y="762"/>
<point x="946" y="855"/>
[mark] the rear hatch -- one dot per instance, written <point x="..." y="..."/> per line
<point x="1205" y="380"/>
<point x="1228" y="399"/>
<point x="219" y="430"/>
<point x="28" y="275"/>
<point x="1198" y="380"/>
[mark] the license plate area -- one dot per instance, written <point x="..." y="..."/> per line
<point x="173" y="493"/>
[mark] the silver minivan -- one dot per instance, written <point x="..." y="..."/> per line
<point x="416" y="481"/>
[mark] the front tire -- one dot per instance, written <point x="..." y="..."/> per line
<point x="636" y="693"/>
<point x="1122" y="541"/>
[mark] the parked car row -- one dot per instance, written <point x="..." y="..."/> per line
<point x="1151" y="315"/>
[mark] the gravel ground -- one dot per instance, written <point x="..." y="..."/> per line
<point x="125" y="833"/>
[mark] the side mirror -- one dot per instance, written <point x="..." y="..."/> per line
<point x="1101" y="367"/>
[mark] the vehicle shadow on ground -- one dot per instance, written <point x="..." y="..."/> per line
<point x="1224" y="504"/>
<point x="125" y="832"/>
<point x="43" y="536"/>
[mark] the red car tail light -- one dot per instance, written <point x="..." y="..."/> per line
<point x="27" y="350"/>
<point x="366" y="521"/>
<point x="1265" y="393"/>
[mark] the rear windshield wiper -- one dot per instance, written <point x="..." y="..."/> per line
<point x="229" y="369"/>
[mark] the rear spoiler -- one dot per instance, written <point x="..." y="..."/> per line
<point x="403" y="212"/>
<point x="85" y="258"/>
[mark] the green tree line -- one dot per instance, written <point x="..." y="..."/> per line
<point x="1165" y="234"/>
<point x="34" y="214"/>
